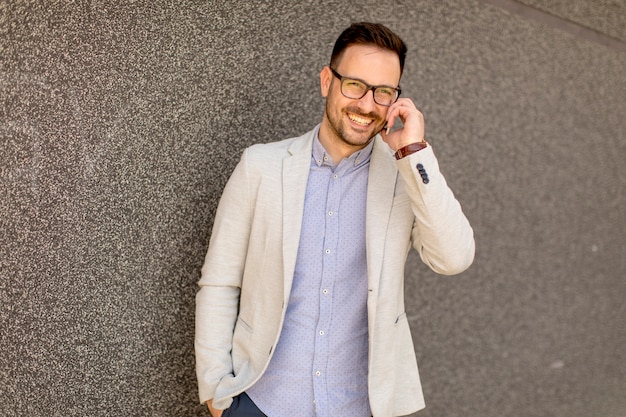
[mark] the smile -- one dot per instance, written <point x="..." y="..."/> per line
<point x="360" y="120"/>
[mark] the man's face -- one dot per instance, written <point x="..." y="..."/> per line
<point x="354" y="122"/>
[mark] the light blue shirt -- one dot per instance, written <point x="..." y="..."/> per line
<point x="319" y="367"/>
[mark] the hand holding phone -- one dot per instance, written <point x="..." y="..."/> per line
<point x="412" y="121"/>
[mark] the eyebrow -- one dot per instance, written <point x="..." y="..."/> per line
<point x="366" y="83"/>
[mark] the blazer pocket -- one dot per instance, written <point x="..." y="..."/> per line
<point x="241" y="345"/>
<point x="400" y="318"/>
<point x="400" y="200"/>
<point x="242" y="323"/>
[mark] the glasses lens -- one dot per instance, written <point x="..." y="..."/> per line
<point x="385" y="96"/>
<point x="353" y="88"/>
<point x="356" y="89"/>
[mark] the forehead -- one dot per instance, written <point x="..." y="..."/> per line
<point x="371" y="64"/>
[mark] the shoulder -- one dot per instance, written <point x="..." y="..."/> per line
<point x="270" y="149"/>
<point x="267" y="153"/>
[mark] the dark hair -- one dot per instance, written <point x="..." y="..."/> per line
<point x="366" y="33"/>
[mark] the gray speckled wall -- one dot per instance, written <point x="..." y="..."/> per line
<point x="121" y="122"/>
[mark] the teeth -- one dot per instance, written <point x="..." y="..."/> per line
<point x="360" y="120"/>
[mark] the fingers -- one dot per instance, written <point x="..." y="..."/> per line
<point x="214" y="412"/>
<point x="403" y="109"/>
<point x="407" y="112"/>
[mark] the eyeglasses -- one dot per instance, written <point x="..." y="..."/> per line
<point x="356" y="89"/>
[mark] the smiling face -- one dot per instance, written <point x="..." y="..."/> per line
<point x="349" y="124"/>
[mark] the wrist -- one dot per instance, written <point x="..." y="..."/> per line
<point x="410" y="148"/>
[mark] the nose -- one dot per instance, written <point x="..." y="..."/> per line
<point x="367" y="102"/>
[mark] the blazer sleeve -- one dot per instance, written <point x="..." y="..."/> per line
<point x="220" y="283"/>
<point x="441" y="233"/>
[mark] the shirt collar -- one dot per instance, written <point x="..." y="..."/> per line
<point x="321" y="157"/>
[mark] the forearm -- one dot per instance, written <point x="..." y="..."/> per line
<point x="442" y="234"/>
<point x="216" y="313"/>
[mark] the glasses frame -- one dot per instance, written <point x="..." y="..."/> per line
<point x="369" y="87"/>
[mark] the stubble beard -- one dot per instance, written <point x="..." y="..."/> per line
<point x="339" y="130"/>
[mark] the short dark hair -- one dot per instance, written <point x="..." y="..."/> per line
<point x="366" y="33"/>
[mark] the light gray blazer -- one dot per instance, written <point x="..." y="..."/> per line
<point x="248" y="271"/>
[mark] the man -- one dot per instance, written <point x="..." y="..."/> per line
<point x="301" y="307"/>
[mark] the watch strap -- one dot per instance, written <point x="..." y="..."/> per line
<point x="410" y="148"/>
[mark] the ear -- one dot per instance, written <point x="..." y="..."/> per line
<point x="326" y="77"/>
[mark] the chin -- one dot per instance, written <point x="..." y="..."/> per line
<point x="361" y="140"/>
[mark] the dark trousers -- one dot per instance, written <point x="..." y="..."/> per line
<point x="243" y="406"/>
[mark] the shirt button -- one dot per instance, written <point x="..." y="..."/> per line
<point x="327" y="251"/>
<point x="335" y="176"/>
<point x="321" y="332"/>
<point x="318" y="373"/>
<point x="325" y="291"/>
<point x="330" y="213"/>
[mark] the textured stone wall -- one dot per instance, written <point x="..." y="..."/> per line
<point x="120" y="123"/>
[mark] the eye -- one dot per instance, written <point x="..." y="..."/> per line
<point x="353" y="84"/>
<point x="385" y="91"/>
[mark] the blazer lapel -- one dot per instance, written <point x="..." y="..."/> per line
<point x="380" y="192"/>
<point x="295" y="175"/>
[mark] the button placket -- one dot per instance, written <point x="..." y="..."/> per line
<point x="331" y="238"/>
